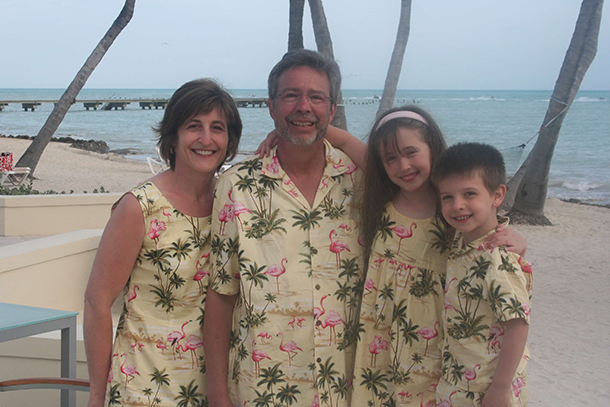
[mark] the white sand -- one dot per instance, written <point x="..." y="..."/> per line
<point x="63" y="168"/>
<point x="570" y="333"/>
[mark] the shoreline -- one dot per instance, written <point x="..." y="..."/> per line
<point x="132" y="155"/>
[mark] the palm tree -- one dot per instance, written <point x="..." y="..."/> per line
<point x="287" y="394"/>
<point x="272" y="376"/>
<point x="373" y="381"/>
<point x="160" y="378"/>
<point x="531" y="189"/>
<point x="391" y="81"/>
<point x="188" y="396"/>
<point x="295" y="30"/>
<point x="326" y="374"/>
<point x="325" y="47"/>
<point x="32" y="155"/>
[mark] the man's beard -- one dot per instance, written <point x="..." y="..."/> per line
<point x="284" y="132"/>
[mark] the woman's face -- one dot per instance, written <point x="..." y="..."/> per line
<point x="202" y="142"/>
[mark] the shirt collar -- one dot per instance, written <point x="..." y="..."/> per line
<point x="335" y="164"/>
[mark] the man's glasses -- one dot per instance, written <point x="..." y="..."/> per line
<point x="313" y="97"/>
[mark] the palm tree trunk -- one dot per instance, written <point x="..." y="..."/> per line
<point x="532" y="188"/>
<point x="32" y="155"/>
<point x="391" y="81"/>
<point x="325" y="47"/>
<point x="295" y="31"/>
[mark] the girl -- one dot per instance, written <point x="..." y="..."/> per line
<point x="406" y="242"/>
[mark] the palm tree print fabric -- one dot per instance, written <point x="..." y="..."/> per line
<point x="398" y="358"/>
<point x="158" y="355"/>
<point x="298" y="271"/>
<point x="486" y="288"/>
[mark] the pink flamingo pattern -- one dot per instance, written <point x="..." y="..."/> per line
<point x="331" y="320"/>
<point x="129" y="371"/>
<point x="132" y="294"/>
<point x="290" y="348"/>
<point x="369" y="286"/>
<point x="257" y="356"/>
<point x="225" y="215"/>
<point x="427" y="334"/>
<point x="428" y="403"/>
<point x="407" y="268"/>
<point x="376" y="347"/>
<point x="238" y="209"/>
<point x="517" y="385"/>
<point x="165" y="213"/>
<point x="471" y="374"/>
<point x="155" y="229"/>
<point x="201" y="274"/>
<point x="192" y="342"/>
<point x="176" y="336"/>
<point x="495" y="332"/>
<point x="263" y="335"/>
<point x="277" y="271"/>
<point x="402" y="232"/>
<point x="447" y="403"/>
<point x="337" y="246"/>
<point x="405" y="395"/>
<point x="300" y="322"/>
<point x="161" y="345"/>
<point x="447" y="298"/>
<point x="292" y="321"/>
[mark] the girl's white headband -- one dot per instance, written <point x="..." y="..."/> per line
<point x="407" y="114"/>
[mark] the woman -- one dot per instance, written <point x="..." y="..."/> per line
<point x="156" y="247"/>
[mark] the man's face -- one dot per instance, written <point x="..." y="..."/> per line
<point x="302" y="109"/>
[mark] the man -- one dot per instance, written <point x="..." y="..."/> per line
<point x="285" y="250"/>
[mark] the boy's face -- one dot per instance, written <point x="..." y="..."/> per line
<point x="468" y="206"/>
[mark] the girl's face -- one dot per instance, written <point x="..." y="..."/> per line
<point x="409" y="166"/>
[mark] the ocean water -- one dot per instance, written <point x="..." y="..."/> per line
<point x="581" y="162"/>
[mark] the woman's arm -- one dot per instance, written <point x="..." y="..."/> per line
<point x="114" y="261"/>
<point x="513" y="344"/>
<point x="216" y="336"/>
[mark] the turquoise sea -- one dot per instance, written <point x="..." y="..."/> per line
<point x="581" y="161"/>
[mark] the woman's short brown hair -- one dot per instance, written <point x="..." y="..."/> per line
<point x="193" y="98"/>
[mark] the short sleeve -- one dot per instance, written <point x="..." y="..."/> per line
<point x="508" y="284"/>
<point x="225" y="241"/>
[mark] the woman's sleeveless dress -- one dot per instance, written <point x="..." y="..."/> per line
<point x="158" y="353"/>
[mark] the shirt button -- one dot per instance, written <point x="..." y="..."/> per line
<point x="319" y="360"/>
<point x="317" y="286"/>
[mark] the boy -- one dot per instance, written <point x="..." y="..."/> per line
<point x="488" y="305"/>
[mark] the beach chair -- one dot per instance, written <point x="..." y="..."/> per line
<point x="156" y="164"/>
<point x="15" y="177"/>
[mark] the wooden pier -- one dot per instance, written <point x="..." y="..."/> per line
<point x="116" y="104"/>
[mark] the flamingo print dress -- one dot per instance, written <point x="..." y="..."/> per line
<point x="490" y="287"/>
<point x="398" y="356"/>
<point x="298" y="272"/>
<point x="158" y="353"/>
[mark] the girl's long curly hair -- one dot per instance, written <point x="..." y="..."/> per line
<point x="378" y="188"/>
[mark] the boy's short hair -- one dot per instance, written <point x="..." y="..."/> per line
<point x="466" y="158"/>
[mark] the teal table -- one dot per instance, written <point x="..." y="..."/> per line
<point x="19" y="321"/>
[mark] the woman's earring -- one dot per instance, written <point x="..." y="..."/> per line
<point x="172" y="150"/>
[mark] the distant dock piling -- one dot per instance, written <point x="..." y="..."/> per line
<point x="121" y="104"/>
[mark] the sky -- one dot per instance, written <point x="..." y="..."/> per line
<point x="453" y="45"/>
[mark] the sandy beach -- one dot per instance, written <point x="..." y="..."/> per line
<point x="570" y="332"/>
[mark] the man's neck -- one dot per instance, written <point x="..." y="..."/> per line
<point x="301" y="160"/>
<point x="304" y="165"/>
